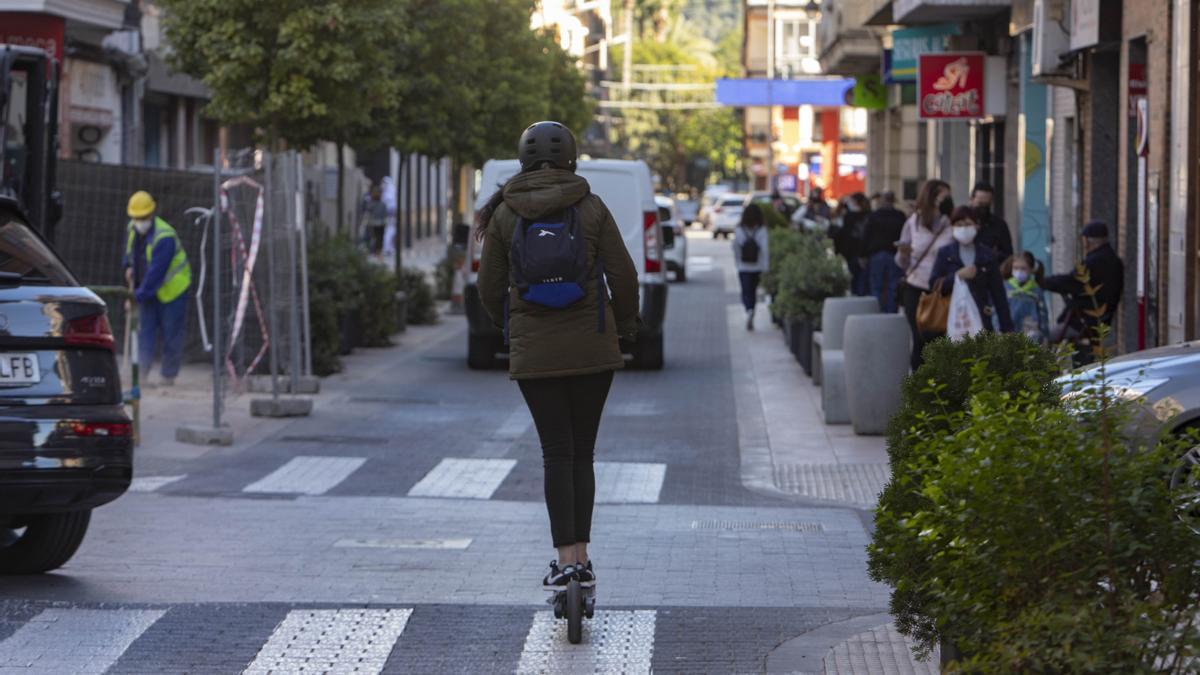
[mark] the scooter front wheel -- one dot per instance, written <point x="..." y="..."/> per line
<point x="574" y="612"/>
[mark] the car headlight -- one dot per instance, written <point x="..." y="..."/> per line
<point x="1126" y="388"/>
<point x="1135" y="389"/>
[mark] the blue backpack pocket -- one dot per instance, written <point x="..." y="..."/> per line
<point x="556" y="294"/>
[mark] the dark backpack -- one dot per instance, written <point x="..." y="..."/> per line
<point x="750" y="247"/>
<point x="549" y="262"/>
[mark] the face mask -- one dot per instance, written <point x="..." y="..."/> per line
<point x="1021" y="276"/>
<point x="854" y="208"/>
<point x="142" y="225"/>
<point x="964" y="234"/>
<point x="946" y="206"/>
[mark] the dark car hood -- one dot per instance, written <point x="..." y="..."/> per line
<point x="1184" y="356"/>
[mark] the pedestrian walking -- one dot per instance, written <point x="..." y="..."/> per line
<point x="751" y="256"/>
<point x="965" y="262"/>
<point x="550" y="245"/>
<point x="1026" y="299"/>
<point x="815" y="213"/>
<point x="157" y="269"/>
<point x="372" y="219"/>
<point x="880" y="233"/>
<point x="993" y="231"/>
<point x="925" y="231"/>
<point x="848" y="234"/>
<point x="1106" y="273"/>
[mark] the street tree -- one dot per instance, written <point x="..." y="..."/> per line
<point x="297" y="71"/>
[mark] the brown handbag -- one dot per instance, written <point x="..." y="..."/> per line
<point x="933" y="310"/>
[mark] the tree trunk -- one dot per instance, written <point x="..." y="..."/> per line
<point x="341" y="186"/>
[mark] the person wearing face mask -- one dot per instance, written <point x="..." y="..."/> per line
<point x="925" y="231"/>
<point x="978" y="266"/>
<point x="157" y="269"/>
<point x="1106" y="273"/>
<point x="993" y="231"/>
<point x="1026" y="299"/>
<point x="847" y="237"/>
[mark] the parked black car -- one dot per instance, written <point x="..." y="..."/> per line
<point x="66" y="443"/>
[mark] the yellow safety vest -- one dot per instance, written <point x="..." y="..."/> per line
<point x="179" y="274"/>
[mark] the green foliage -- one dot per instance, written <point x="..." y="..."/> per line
<point x="941" y="386"/>
<point x="806" y="277"/>
<point x="377" y="316"/>
<point x="421" y="308"/>
<point x="1047" y="537"/>
<point x="782" y="243"/>
<point x="326" y="337"/>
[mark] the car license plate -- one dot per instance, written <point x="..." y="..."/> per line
<point x="19" y="369"/>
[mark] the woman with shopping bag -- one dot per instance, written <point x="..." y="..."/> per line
<point x="925" y="231"/>
<point x="970" y="274"/>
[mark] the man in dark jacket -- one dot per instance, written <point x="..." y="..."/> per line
<point x="993" y="231"/>
<point x="882" y="231"/>
<point x="1106" y="273"/>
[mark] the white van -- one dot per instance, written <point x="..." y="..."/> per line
<point x="627" y="190"/>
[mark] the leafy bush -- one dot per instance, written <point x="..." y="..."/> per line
<point x="781" y="243"/>
<point x="377" y="316"/>
<point x="939" y="389"/>
<point x="323" y="322"/>
<point x="421" y="309"/>
<point x="1049" y="536"/>
<point x="808" y="276"/>
<point x="444" y="276"/>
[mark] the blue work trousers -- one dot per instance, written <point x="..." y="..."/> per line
<point x="163" y="324"/>
<point x="885" y="275"/>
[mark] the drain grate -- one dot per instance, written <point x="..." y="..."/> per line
<point x="788" y="525"/>
<point x="331" y="439"/>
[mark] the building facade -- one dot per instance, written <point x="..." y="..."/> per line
<point x="1089" y="114"/>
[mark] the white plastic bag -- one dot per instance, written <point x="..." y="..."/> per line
<point x="964" y="316"/>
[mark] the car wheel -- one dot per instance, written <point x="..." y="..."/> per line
<point x="481" y="352"/>
<point x="648" y="353"/>
<point x="716" y="234"/>
<point x="681" y="275"/>
<point x="43" y="542"/>
<point x="1185" y="487"/>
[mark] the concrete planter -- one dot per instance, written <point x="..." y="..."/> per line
<point x="349" y="333"/>
<point x="800" y="332"/>
<point x="876" y="351"/>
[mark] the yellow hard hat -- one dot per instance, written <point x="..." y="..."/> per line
<point x="141" y="205"/>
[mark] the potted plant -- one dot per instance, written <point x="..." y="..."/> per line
<point x="807" y="276"/>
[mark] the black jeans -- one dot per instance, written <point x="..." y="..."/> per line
<point x="749" y="282"/>
<point x="567" y="413"/>
<point x="911" y="297"/>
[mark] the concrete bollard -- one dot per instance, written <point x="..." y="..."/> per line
<point x="833" y="317"/>
<point x="833" y="387"/>
<point x="876" y="349"/>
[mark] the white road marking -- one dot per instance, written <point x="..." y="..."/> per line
<point x="307" y="475"/>
<point x="78" y="641"/>
<point x="629" y="482"/>
<point x="464" y="478"/>
<point x="437" y="544"/>
<point x="152" y="483"/>
<point x="331" y="641"/>
<point x="613" y="642"/>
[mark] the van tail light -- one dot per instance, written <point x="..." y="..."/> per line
<point x="716" y="209"/>
<point x="90" y="331"/>
<point x="653" y="239"/>
<point x="100" y="429"/>
<point x="474" y="248"/>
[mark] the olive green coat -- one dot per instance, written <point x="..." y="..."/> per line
<point x="547" y="342"/>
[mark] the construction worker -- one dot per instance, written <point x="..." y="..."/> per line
<point x="157" y="269"/>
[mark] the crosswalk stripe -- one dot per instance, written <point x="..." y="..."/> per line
<point x="79" y="641"/>
<point x="152" y="483"/>
<point x="613" y="642"/>
<point x="307" y="475"/>
<point x="331" y="641"/>
<point x="464" y="478"/>
<point x="629" y="482"/>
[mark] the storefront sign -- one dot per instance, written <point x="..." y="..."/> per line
<point x="1085" y="23"/>
<point x="951" y="85"/>
<point x="909" y="43"/>
<point x="34" y="30"/>
<point x="869" y="93"/>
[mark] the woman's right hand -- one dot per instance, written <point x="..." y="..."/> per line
<point x="904" y="248"/>
<point x="967" y="273"/>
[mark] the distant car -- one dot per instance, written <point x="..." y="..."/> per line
<point x="688" y="210"/>
<point x="791" y="201"/>
<point x="727" y="213"/>
<point x="1165" y="382"/>
<point x="674" y="238"/>
<point x="628" y="192"/>
<point x="712" y="195"/>
<point x="66" y="444"/>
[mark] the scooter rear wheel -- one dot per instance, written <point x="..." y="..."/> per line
<point x="574" y="612"/>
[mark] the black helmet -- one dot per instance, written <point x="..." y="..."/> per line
<point x="547" y="143"/>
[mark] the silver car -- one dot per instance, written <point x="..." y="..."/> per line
<point x="1165" y="384"/>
